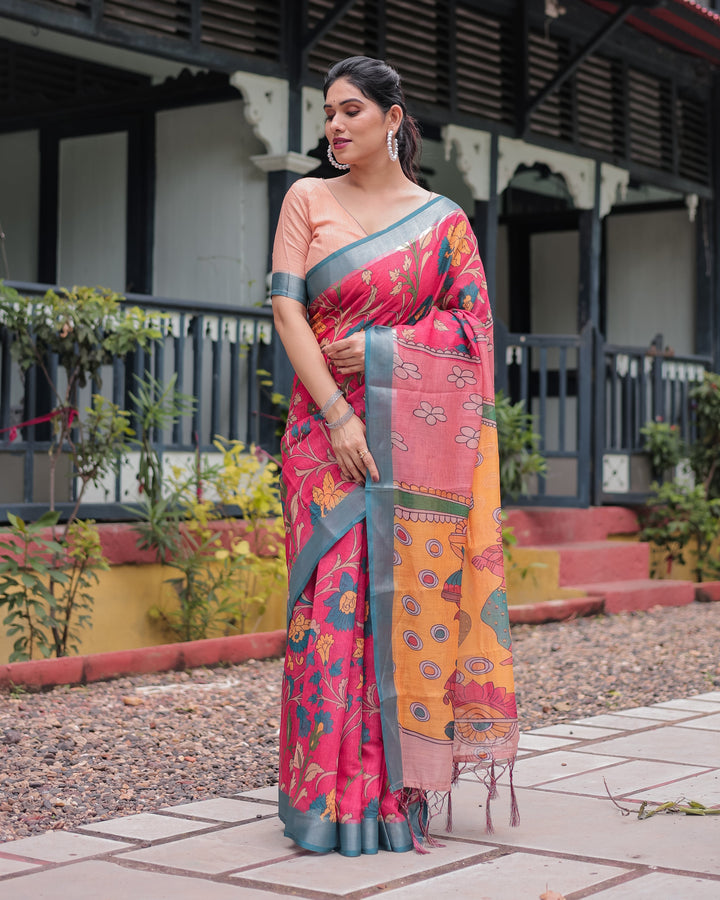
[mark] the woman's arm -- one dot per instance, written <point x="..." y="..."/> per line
<point x="302" y="348"/>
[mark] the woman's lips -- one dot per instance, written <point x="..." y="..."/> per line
<point x="340" y="142"/>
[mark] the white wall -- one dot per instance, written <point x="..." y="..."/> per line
<point x="554" y="274"/>
<point x="211" y="207"/>
<point x="651" y="279"/>
<point x="19" y="190"/>
<point x="92" y="211"/>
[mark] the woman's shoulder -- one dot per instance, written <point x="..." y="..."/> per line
<point x="306" y="187"/>
<point x="448" y="206"/>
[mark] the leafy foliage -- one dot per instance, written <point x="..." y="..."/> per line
<point x="677" y="516"/>
<point x="518" y="445"/>
<point x="664" y="445"/>
<point x="220" y="581"/>
<point x="46" y="585"/>
<point x="47" y="582"/>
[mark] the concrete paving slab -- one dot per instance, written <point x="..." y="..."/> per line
<point x="266" y="793"/>
<point x="669" y="744"/>
<point x="707" y="723"/>
<point x="10" y="866"/>
<point x="338" y="876"/>
<point x="575" y="731"/>
<point x="661" y="884"/>
<point x="510" y="877"/>
<point x="223" y="809"/>
<point x="660" y="713"/>
<point x="592" y="828"/>
<point x="531" y="741"/>
<point x="146" y="827"/>
<point x="256" y="843"/>
<point x="710" y="695"/>
<point x="704" y="788"/>
<point x="61" y="846"/>
<point x="701" y="706"/>
<point x="560" y="764"/>
<point x="625" y="778"/>
<point x="100" y="880"/>
<point x="617" y="721"/>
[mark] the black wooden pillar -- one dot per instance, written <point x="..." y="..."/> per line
<point x="705" y="237"/>
<point x="486" y="224"/>
<point x="714" y="226"/>
<point x="590" y="246"/>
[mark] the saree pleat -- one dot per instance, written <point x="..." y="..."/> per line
<point x="398" y="671"/>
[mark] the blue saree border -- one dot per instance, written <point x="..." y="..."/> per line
<point x="361" y="253"/>
<point x="284" y="284"/>
<point x="380" y="502"/>
<point x="327" y="531"/>
<point x="312" y="832"/>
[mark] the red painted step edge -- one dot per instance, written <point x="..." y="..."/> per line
<point x="163" y="658"/>
<point x="555" y="610"/>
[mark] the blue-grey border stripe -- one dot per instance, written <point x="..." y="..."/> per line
<point x="284" y="284"/>
<point x="360" y="253"/>
<point x="327" y="531"/>
<point x="380" y="521"/>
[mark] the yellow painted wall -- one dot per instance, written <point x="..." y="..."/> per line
<point x="120" y="618"/>
<point x="532" y="575"/>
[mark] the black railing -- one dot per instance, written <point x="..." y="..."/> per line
<point x="589" y="401"/>
<point x="216" y="353"/>
<point x="552" y="375"/>
<point x="634" y="386"/>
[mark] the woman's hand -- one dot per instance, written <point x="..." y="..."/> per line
<point x="351" y="451"/>
<point x="347" y="354"/>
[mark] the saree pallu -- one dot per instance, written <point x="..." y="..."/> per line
<point x="398" y="671"/>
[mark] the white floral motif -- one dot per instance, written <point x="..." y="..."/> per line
<point x="468" y="436"/>
<point x="431" y="414"/>
<point x="461" y="377"/>
<point x="404" y="370"/>
<point x="475" y="403"/>
<point x="397" y="440"/>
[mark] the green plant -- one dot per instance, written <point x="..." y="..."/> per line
<point x="46" y="584"/>
<point x="157" y="406"/>
<point x="676" y="516"/>
<point x="704" y="455"/>
<point x="86" y="328"/>
<point x="664" y="445"/>
<point x="47" y="581"/>
<point x="222" y="582"/>
<point x="518" y="445"/>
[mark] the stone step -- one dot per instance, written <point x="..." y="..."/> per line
<point x="588" y="562"/>
<point x="534" y="526"/>
<point x="640" y="593"/>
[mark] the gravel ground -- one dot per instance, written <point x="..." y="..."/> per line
<point x="74" y="755"/>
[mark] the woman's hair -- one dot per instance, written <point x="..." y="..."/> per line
<point x="380" y="83"/>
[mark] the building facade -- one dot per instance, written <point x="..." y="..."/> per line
<point x="146" y="145"/>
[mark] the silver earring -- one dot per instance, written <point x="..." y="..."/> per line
<point x="392" y="146"/>
<point x="333" y="162"/>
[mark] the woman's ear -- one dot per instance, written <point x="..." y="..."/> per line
<point x="394" y="117"/>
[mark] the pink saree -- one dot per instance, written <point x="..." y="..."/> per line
<point x="398" y="670"/>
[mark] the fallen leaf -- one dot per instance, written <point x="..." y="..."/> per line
<point x="552" y="895"/>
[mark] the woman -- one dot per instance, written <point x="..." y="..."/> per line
<point x="398" y="671"/>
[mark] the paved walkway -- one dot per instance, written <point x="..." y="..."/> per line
<point x="572" y="839"/>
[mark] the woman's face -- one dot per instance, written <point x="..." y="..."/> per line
<point x="356" y="126"/>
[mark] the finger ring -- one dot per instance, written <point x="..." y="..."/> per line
<point x="363" y="453"/>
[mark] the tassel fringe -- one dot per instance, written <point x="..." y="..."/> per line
<point x="431" y="804"/>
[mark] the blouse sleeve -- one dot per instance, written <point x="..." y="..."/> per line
<point x="290" y="250"/>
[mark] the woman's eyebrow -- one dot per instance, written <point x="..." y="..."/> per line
<point x="343" y="102"/>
